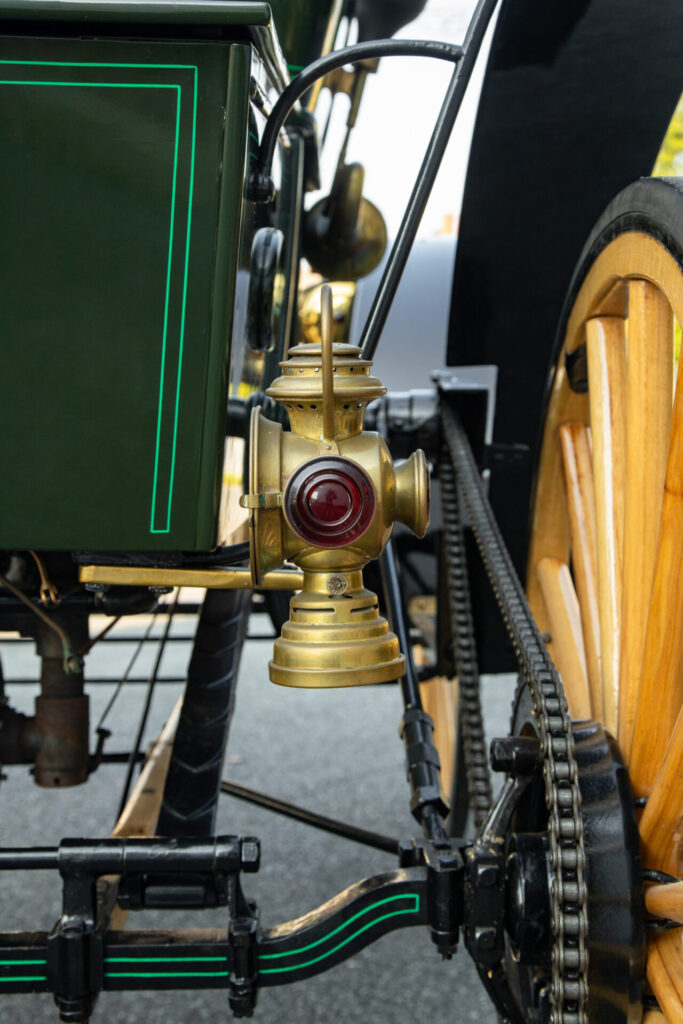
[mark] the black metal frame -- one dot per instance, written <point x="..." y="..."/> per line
<point x="77" y="959"/>
<point x="80" y="957"/>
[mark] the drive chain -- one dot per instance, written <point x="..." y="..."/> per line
<point x="464" y="649"/>
<point x="537" y="672"/>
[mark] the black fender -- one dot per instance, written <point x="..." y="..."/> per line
<point x="576" y="100"/>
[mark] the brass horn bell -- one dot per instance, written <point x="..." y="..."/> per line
<point x="325" y="496"/>
<point x="345" y="236"/>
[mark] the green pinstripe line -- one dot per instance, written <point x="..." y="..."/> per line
<point x="94" y="64"/>
<point x="29" y="977"/>
<point x="148" y="85"/>
<point x="345" y="924"/>
<point x="90" y="85"/>
<point x="269" y="956"/>
<point x="162" y="371"/>
<point x="158" y="959"/>
<point x="340" y="945"/>
<point x="166" y="974"/>
<point x="182" y="315"/>
<point x="21" y="963"/>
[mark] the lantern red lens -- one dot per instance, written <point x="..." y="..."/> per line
<point x="329" y="502"/>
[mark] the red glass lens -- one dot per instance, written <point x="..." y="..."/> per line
<point x="330" y="502"/>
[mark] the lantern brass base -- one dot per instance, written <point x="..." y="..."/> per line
<point x="335" y="637"/>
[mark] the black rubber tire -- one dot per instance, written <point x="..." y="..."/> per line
<point x="194" y="774"/>
<point x="277" y="606"/>
<point x="651" y="205"/>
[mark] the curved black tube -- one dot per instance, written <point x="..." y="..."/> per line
<point x="347" y="55"/>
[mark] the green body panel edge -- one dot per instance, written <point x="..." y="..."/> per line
<point x="121" y="181"/>
<point x="120" y="219"/>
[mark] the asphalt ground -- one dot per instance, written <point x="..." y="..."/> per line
<point x="335" y="751"/>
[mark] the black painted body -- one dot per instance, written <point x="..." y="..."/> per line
<point x="576" y="101"/>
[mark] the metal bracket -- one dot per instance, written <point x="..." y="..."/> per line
<point x="213" y="579"/>
<point x="270" y="499"/>
<point x="445" y="864"/>
<point x="72" y="960"/>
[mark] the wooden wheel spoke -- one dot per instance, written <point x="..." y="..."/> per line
<point x="550" y="530"/>
<point x="665" y="901"/>
<point x="661" y="690"/>
<point x="606" y="350"/>
<point x="562" y="608"/>
<point x="578" y="472"/>
<point x="440" y="701"/>
<point x="649" y="391"/>
<point x="665" y="974"/>
<point x="662" y="820"/>
<point x="654" y="1017"/>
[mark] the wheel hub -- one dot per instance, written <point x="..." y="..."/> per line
<point x="615" y="909"/>
<point x="528" y="898"/>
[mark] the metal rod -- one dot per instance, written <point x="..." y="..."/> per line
<point x="72" y="662"/>
<point x="430" y="817"/>
<point x="127" y="638"/>
<point x="338" y="828"/>
<point x="145" y="711"/>
<point x="410" y="688"/>
<point x="403" y="243"/>
<point x="129" y="668"/>
<point x="222" y="578"/>
<point x="137" y="680"/>
<point x="132" y="638"/>
<point x="36" y="858"/>
<point x="327" y="359"/>
<point x="121" y="757"/>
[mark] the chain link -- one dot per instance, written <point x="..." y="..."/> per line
<point x="537" y="672"/>
<point x="464" y="649"/>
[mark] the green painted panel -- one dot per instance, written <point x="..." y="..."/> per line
<point x="121" y="175"/>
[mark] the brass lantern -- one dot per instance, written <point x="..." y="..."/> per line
<point x="325" y="496"/>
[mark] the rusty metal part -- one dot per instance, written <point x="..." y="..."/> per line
<point x="48" y="591"/>
<point x="62" y="710"/>
<point x="62" y="725"/>
<point x="56" y="738"/>
<point x="19" y="740"/>
<point x="72" y="662"/>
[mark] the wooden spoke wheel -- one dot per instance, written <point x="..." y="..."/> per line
<point x="606" y="558"/>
